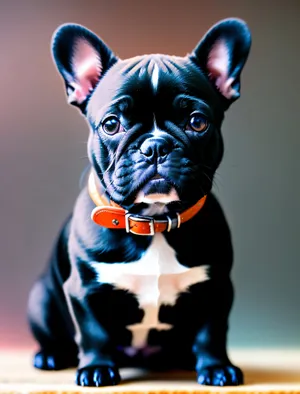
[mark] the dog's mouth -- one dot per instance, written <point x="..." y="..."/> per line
<point x="157" y="190"/>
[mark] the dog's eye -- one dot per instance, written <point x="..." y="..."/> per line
<point x="111" y="125"/>
<point x="197" y="123"/>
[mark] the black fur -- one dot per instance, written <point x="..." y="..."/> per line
<point x="68" y="297"/>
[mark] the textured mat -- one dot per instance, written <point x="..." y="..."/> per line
<point x="265" y="372"/>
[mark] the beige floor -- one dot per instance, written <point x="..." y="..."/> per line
<point x="265" y="372"/>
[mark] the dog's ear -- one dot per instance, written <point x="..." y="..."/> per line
<point x="82" y="58"/>
<point x="222" y="54"/>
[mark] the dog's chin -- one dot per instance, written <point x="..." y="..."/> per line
<point x="154" y="198"/>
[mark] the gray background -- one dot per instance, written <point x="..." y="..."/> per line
<point x="42" y="149"/>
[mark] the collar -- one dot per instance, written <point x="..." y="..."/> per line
<point x="110" y="215"/>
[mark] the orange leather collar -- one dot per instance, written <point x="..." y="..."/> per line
<point x="109" y="214"/>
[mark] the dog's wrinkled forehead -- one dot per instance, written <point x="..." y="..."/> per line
<point x="152" y="85"/>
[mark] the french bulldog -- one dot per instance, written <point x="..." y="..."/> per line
<point x="140" y="273"/>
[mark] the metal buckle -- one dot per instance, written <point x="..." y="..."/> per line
<point x="178" y="220"/>
<point x="145" y="219"/>
<point x="174" y="222"/>
<point x="169" y="228"/>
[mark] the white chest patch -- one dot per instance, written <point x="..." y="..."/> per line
<point x="156" y="279"/>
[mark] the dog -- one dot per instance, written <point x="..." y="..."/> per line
<point x="140" y="272"/>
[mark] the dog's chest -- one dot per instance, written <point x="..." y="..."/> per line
<point x="156" y="279"/>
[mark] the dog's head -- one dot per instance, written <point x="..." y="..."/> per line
<point x="154" y="120"/>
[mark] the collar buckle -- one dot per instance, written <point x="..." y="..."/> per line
<point x="137" y="218"/>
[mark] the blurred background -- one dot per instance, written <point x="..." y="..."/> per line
<point x="43" y="149"/>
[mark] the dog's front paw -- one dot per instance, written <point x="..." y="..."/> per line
<point x="220" y="375"/>
<point x="98" y="376"/>
<point x="54" y="361"/>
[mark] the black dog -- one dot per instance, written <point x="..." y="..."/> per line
<point x="140" y="273"/>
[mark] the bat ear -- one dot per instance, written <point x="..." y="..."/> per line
<point x="222" y="54"/>
<point x="81" y="58"/>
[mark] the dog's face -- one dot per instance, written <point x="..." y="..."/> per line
<point x="155" y="120"/>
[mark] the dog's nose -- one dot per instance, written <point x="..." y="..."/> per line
<point x="156" y="149"/>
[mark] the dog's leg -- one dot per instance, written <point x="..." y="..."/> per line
<point x="52" y="328"/>
<point x="48" y="314"/>
<point x="96" y="364"/>
<point x="213" y="366"/>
